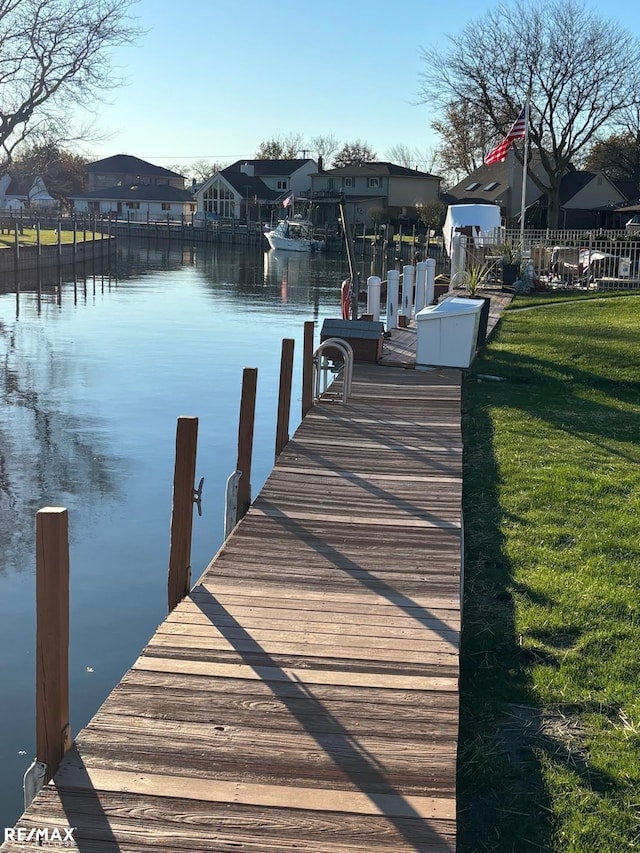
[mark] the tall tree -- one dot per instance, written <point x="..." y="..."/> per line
<point x="55" y="55"/>
<point x="581" y="70"/>
<point x="62" y="171"/>
<point x="286" y="147"/>
<point x="618" y="155"/>
<point x="354" y="154"/>
<point x="411" y="158"/>
<point x="465" y="132"/>
<point x="324" y="146"/>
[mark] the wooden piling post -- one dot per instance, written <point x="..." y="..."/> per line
<point x="184" y="476"/>
<point x="245" y="439"/>
<point x="53" y="731"/>
<point x="284" y="394"/>
<point x="307" y="367"/>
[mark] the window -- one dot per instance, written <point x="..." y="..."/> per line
<point x="329" y="183"/>
<point x="94" y="206"/>
<point x="219" y="199"/>
<point x="373" y="182"/>
<point x="166" y="205"/>
<point x="133" y="205"/>
<point x="348" y="182"/>
<point x="282" y="185"/>
<point x="491" y="186"/>
<point x="473" y="186"/>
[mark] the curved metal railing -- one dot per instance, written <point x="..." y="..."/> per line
<point x="321" y="367"/>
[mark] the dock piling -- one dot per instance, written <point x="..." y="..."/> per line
<point x="53" y="731"/>
<point x="307" y="367"/>
<point x="245" y="438"/>
<point x="182" y="511"/>
<point x="284" y="395"/>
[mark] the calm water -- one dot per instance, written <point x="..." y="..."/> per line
<point x="94" y="375"/>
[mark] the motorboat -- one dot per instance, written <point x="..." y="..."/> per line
<point x="294" y="235"/>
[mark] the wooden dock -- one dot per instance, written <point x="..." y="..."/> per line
<point x="304" y="696"/>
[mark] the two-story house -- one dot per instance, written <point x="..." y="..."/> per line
<point x="250" y="189"/>
<point x="394" y="192"/>
<point x="133" y="188"/>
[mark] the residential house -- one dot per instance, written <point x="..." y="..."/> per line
<point x="251" y="189"/>
<point x="123" y="169"/>
<point x="587" y="199"/>
<point x="22" y="192"/>
<point x="131" y="188"/>
<point x="370" y="188"/>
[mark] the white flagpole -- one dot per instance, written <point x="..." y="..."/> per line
<point x="524" y="171"/>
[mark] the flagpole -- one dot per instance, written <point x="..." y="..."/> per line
<point x="524" y="171"/>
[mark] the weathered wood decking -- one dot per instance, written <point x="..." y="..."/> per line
<point x="304" y="696"/>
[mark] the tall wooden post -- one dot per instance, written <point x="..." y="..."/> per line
<point x="245" y="438"/>
<point x="284" y="395"/>
<point x="184" y="476"/>
<point x="53" y="731"/>
<point x="307" y="367"/>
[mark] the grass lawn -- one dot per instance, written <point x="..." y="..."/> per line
<point x="48" y="237"/>
<point x="550" y="716"/>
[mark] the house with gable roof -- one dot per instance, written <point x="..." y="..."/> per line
<point x="366" y="187"/>
<point x="26" y="192"/>
<point x="249" y="190"/>
<point x="132" y="188"/>
<point x="588" y="200"/>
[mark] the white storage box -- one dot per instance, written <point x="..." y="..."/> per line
<point x="447" y="333"/>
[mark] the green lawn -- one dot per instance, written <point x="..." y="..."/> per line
<point x="48" y="237"/>
<point x="550" y="718"/>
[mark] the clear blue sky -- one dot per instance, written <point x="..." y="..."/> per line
<point x="213" y="79"/>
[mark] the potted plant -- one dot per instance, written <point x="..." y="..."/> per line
<point x="510" y="262"/>
<point x="472" y="280"/>
<point x="474" y="277"/>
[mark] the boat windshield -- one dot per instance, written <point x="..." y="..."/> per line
<point x="291" y="230"/>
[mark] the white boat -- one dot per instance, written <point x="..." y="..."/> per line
<point x="294" y="235"/>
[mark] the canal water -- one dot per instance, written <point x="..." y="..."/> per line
<point x="95" y="372"/>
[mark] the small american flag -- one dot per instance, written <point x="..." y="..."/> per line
<point x="518" y="131"/>
<point x="288" y="200"/>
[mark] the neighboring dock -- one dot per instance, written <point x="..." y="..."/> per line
<point x="304" y="695"/>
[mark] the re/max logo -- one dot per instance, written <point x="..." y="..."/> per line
<point x="44" y="836"/>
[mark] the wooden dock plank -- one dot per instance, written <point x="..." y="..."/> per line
<point x="304" y="696"/>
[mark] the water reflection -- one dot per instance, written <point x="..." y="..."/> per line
<point x="52" y="451"/>
<point x="96" y="369"/>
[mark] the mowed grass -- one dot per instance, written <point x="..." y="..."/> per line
<point x="550" y="687"/>
<point x="48" y="237"/>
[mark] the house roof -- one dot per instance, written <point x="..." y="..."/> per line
<point x="489" y="183"/>
<point x="139" y="192"/>
<point x="485" y="184"/>
<point x="21" y="185"/>
<point x="377" y="169"/>
<point x="248" y="185"/>
<point x="266" y="168"/>
<point x="127" y="164"/>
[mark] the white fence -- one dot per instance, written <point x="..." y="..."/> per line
<point x="602" y="260"/>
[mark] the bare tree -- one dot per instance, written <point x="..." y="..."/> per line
<point x="324" y="146"/>
<point x="354" y="154"/>
<point x="55" y="56"/>
<point x="411" y="158"/>
<point x="580" y="69"/>
<point x="466" y="133"/>
<point x="62" y="171"/>
<point x="284" y="147"/>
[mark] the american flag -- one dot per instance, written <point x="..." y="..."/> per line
<point x="518" y="131"/>
<point x="288" y="200"/>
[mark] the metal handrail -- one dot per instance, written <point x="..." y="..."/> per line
<point x="343" y="347"/>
